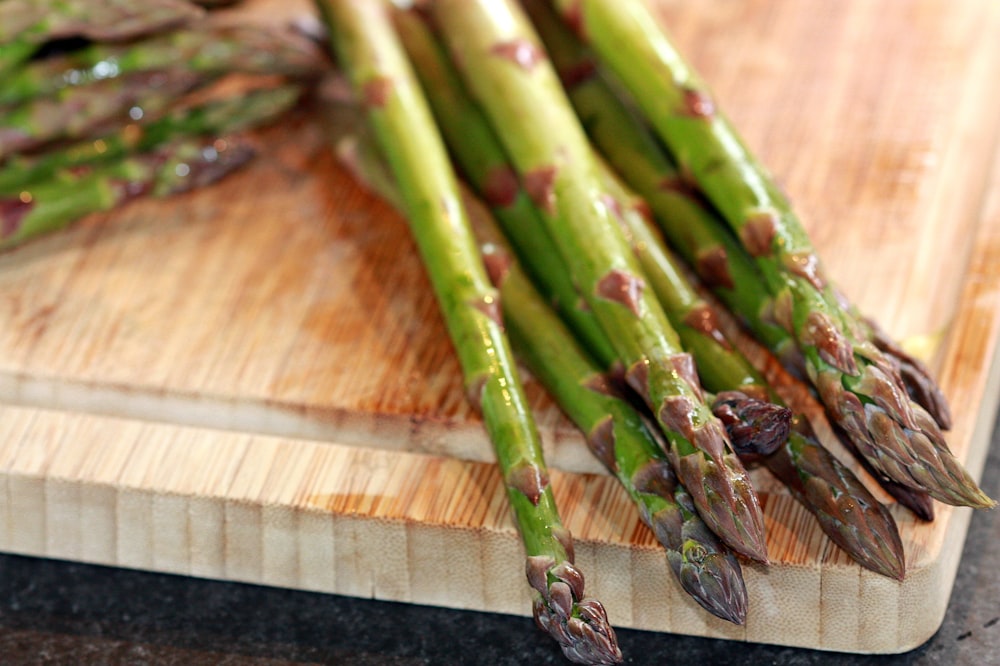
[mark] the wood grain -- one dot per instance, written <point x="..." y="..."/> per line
<point x="252" y="382"/>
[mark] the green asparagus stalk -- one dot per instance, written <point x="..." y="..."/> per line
<point x="482" y="159"/>
<point x="70" y="194"/>
<point x="506" y="70"/>
<point x="368" y="51"/>
<point x="81" y="112"/>
<point x="628" y="40"/>
<point x="871" y="406"/>
<point x="214" y="118"/>
<point x="27" y="24"/>
<point x="615" y="432"/>
<point x="203" y="48"/>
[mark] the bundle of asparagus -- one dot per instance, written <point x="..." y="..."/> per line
<point x="146" y="99"/>
<point x="619" y="357"/>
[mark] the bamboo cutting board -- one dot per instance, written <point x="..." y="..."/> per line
<point x="252" y="382"/>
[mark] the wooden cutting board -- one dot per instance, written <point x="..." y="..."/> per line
<point x="253" y="383"/>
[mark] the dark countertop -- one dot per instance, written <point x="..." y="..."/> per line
<point x="60" y="613"/>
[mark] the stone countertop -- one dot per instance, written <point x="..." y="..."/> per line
<point x="61" y="613"/>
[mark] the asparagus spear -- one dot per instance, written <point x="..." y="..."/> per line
<point x="896" y="437"/>
<point x="203" y="48"/>
<point x="363" y="38"/>
<point x="482" y="159"/>
<point x="615" y="432"/>
<point x="70" y="194"/>
<point x="215" y="118"/>
<point x="627" y="38"/>
<point x="506" y="69"/>
<point x="26" y="24"/>
<point x="80" y="112"/>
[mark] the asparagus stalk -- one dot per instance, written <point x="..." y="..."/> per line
<point x="368" y="50"/>
<point x="507" y="71"/>
<point x="484" y="163"/>
<point x="627" y="37"/>
<point x="898" y="438"/>
<point x="213" y="118"/>
<point x="204" y="48"/>
<point x="615" y="432"/>
<point x="479" y="153"/>
<point x="27" y="24"/>
<point x="99" y="20"/>
<point x="80" y="112"/>
<point x="70" y="194"/>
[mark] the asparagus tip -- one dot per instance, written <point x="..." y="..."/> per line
<point x="756" y="428"/>
<point x="727" y="502"/>
<point x="714" y="580"/>
<point x="579" y="625"/>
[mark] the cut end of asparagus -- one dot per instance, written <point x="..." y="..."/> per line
<point x="580" y="626"/>
<point x="756" y="428"/>
<point x="724" y="497"/>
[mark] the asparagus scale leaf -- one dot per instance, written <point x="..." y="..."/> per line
<point x="369" y="52"/>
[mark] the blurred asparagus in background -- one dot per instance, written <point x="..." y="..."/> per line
<point x="69" y="194"/>
<point x="91" y="122"/>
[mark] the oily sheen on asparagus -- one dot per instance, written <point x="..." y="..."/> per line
<point x="368" y="50"/>
<point x="506" y="69"/>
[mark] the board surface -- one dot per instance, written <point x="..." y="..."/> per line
<point x="252" y="382"/>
